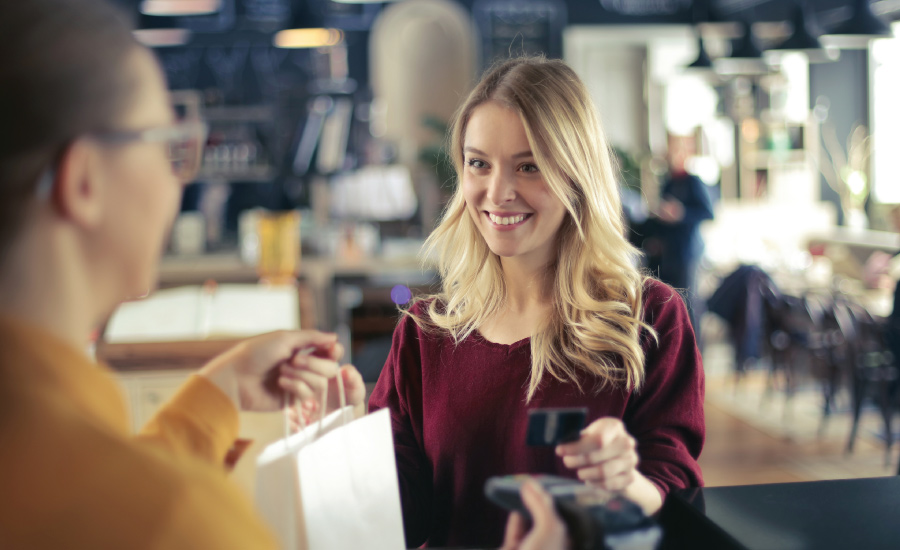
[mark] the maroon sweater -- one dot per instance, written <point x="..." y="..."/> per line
<point x="459" y="416"/>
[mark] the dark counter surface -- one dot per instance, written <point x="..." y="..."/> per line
<point x="821" y="515"/>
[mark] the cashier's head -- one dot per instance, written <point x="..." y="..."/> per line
<point x="77" y="175"/>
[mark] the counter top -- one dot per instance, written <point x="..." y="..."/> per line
<point x="230" y="268"/>
<point x="819" y="515"/>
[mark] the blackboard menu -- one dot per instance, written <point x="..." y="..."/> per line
<point x="265" y="15"/>
<point x="645" y="7"/>
<point x="340" y="15"/>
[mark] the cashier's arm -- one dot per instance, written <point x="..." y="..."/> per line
<point x="260" y="372"/>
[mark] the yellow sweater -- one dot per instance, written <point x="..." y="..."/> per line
<point x="71" y="476"/>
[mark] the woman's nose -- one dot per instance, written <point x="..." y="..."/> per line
<point x="501" y="187"/>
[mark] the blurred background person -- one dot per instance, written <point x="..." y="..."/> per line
<point x="674" y="245"/>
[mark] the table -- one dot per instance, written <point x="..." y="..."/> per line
<point x="819" y="515"/>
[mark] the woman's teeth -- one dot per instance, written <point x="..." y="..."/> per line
<point x="506" y="221"/>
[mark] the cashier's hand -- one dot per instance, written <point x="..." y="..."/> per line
<point x="259" y="372"/>
<point x="547" y="531"/>
<point x="605" y="456"/>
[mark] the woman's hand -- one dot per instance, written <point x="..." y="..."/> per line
<point x="606" y="457"/>
<point x="263" y="369"/>
<point x="547" y="532"/>
<point x="354" y="390"/>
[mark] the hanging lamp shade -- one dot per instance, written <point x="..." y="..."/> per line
<point x="746" y="57"/>
<point x="160" y="31"/>
<point x="306" y="29"/>
<point x="180" y="7"/>
<point x="856" y="32"/>
<point x="703" y="61"/>
<point x="805" y="37"/>
<point x="745" y="47"/>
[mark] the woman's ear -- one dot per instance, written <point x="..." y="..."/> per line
<point x="76" y="189"/>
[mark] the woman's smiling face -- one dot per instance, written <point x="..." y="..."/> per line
<point x="506" y="193"/>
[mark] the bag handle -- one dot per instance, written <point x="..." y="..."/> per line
<point x="288" y="403"/>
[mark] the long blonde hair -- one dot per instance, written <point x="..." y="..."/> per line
<point x="595" y="288"/>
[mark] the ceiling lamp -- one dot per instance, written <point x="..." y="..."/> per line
<point x="746" y="58"/>
<point x="180" y="7"/>
<point x="805" y="38"/>
<point x="308" y="38"/>
<point x="703" y="62"/>
<point x="160" y="32"/>
<point x="856" y="32"/>
<point x="307" y="30"/>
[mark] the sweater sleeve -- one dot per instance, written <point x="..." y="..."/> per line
<point x="199" y="421"/>
<point x="666" y="415"/>
<point x="399" y="389"/>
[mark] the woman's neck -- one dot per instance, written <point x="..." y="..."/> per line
<point x="526" y="288"/>
<point x="43" y="283"/>
<point x="526" y="305"/>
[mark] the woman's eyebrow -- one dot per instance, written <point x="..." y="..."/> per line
<point x="523" y="154"/>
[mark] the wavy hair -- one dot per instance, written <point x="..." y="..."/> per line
<point x="595" y="288"/>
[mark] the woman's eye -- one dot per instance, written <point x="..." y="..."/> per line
<point x="477" y="164"/>
<point x="529" y="168"/>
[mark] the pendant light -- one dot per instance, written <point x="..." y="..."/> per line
<point x="856" y="32"/>
<point x="805" y="37"/>
<point x="160" y="32"/>
<point x="746" y="58"/>
<point x="180" y="7"/>
<point x="307" y="30"/>
<point x="703" y="62"/>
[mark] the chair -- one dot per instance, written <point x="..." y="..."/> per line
<point x="824" y="342"/>
<point x="788" y="325"/>
<point x="873" y="370"/>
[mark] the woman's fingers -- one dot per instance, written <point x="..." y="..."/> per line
<point x="298" y="388"/>
<point x="516" y="528"/>
<point x="605" y="455"/>
<point x="598" y="435"/>
<point x="609" y="469"/>
<point x="354" y="385"/>
<point x="622" y="445"/>
<point x="322" y="367"/>
<point x="548" y="530"/>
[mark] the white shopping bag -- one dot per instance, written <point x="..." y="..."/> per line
<point x="333" y="486"/>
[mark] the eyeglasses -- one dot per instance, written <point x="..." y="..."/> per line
<point x="184" y="143"/>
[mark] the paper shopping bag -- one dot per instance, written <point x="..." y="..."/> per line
<point x="333" y="485"/>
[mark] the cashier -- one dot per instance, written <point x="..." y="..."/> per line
<point x="92" y="163"/>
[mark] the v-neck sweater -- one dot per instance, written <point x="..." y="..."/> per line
<point x="459" y="416"/>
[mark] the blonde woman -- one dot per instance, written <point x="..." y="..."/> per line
<point x="541" y="306"/>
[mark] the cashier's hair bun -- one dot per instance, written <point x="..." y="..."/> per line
<point x="62" y="73"/>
